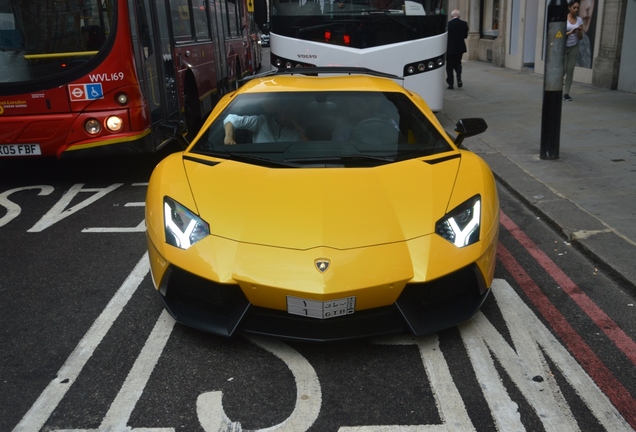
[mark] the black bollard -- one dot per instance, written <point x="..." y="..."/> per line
<point x="553" y="79"/>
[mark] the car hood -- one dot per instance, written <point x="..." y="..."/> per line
<point x="305" y="208"/>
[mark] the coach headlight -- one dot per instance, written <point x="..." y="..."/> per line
<point x="183" y="228"/>
<point x="461" y="225"/>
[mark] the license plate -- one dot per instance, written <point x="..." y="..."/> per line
<point x="321" y="309"/>
<point x="7" y="150"/>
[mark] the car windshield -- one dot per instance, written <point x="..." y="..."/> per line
<point x="321" y="129"/>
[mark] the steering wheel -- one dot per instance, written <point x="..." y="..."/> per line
<point x="376" y="131"/>
<point x="374" y="121"/>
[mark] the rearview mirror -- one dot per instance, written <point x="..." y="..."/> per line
<point x="174" y="129"/>
<point x="469" y="127"/>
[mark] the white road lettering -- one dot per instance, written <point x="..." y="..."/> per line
<point x="526" y="361"/>
<point x="59" y="210"/>
<point x="41" y="410"/>
<point x="116" y="419"/>
<point x="120" y="410"/>
<point x="532" y="341"/>
<point x="449" y="402"/>
<point x="308" y="394"/>
<point x="14" y="210"/>
<point x="139" y="228"/>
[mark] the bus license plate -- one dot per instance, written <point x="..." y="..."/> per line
<point x="7" y="150"/>
<point x="321" y="309"/>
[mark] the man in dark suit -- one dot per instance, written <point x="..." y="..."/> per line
<point x="457" y="32"/>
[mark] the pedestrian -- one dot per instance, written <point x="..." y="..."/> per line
<point x="574" y="33"/>
<point x="586" y="49"/>
<point x="457" y="32"/>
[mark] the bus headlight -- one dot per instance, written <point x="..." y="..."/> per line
<point x="114" y="123"/>
<point x="121" y="98"/>
<point x="423" y="66"/>
<point x="92" y="126"/>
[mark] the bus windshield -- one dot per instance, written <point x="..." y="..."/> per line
<point x="357" y="7"/>
<point x="40" y="39"/>
<point x="358" y="23"/>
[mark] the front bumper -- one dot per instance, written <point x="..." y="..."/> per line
<point x="420" y="309"/>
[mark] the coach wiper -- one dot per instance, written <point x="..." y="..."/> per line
<point x="393" y="17"/>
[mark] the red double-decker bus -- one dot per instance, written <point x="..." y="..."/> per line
<point x="97" y="77"/>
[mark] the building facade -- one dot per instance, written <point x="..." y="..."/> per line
<point x="511" y="34"/>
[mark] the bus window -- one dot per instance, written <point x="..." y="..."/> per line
<point x="36" y="44"/>
<point x="201" y="21"/>
<point x="232" y="18"/>
<point x="181" y="26"/>
<point x="13" y="65"/>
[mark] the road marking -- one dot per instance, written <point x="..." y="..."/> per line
<point x="583" y="353"/>
<point x="523" y="363"/>
<point x="14" y="210"/>
<point x="449" y="402"/>
<point x="308" y="394"/>
<point x="41" y="410"/>
<point x="622" y="341"/>
<point x="530" y="334"/>
<point x="122" y="407"/>
<point x="59" y="210"/>
<point x="139" y="228"/>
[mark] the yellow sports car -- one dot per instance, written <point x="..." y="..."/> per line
<point x="323" y="206"/>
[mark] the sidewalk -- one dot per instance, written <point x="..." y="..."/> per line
<point x="590" y="191"/>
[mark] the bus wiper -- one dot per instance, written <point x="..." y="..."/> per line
<point x="316" y="27"/>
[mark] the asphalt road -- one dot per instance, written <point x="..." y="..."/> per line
<point x="87" y="346"/>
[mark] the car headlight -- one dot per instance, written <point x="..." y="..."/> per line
<point x="461" y="225"/>
<point x="183" y="228"/>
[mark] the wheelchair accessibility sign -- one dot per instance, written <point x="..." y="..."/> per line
<point x="84" y="92"/>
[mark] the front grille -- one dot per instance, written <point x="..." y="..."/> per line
<point x="445" y="302"/>
<point x="187" y="288"/>
<point x="443" y="292"/>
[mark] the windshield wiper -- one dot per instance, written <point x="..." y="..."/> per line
<point x="241" y="157"/>
<point x="343" y="159"/>
<point x="248" y="158"/>
<point x="394" y="18"/>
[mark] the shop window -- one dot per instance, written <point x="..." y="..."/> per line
<point x="490" y="19"/>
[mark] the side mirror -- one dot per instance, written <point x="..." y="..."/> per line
<point x="175" y="129"/>
<point x="469" y="127"/>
